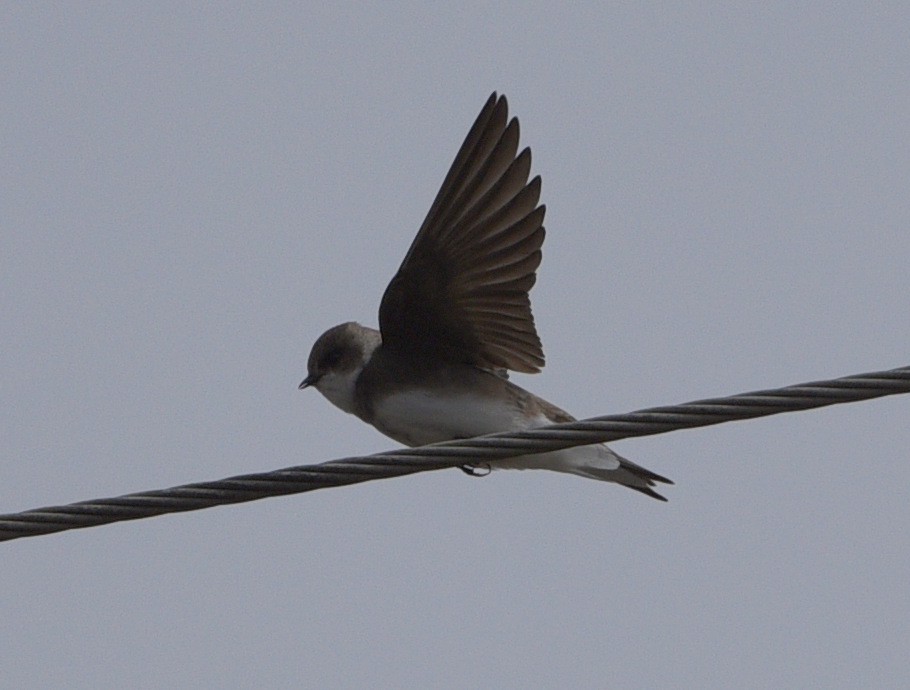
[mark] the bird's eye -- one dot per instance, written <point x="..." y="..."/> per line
<point x="332" y="357"/>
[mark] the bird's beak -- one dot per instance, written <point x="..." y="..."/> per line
<point x="307" y="382"/>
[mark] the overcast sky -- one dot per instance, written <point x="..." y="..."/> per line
<point x="189" y="197"/>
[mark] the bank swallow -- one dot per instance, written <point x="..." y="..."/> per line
<point x="457" y="317"/>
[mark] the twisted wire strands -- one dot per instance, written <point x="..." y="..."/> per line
<point x="474" y="451"/>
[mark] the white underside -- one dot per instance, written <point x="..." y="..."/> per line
<point x="417" y="418"/>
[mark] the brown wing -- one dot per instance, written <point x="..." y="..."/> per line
<point x="461" y="292"/>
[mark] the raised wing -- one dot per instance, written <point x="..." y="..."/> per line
<point x="461" y="292"/>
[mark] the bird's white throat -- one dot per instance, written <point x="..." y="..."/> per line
<point x="338" y="388"/>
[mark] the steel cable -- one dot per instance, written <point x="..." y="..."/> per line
<point x="251" y="487"/>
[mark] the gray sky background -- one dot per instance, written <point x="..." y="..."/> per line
<point x="190" y="196"/>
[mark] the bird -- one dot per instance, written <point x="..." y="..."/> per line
<point x="456" y="319"/>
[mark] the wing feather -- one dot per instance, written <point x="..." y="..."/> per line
<point x="461" y="292"/>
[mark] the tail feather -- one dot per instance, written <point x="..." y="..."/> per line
<point x="647" y="491"/>
<point x="628" y="474"/>
<point x="594" y="462"/>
